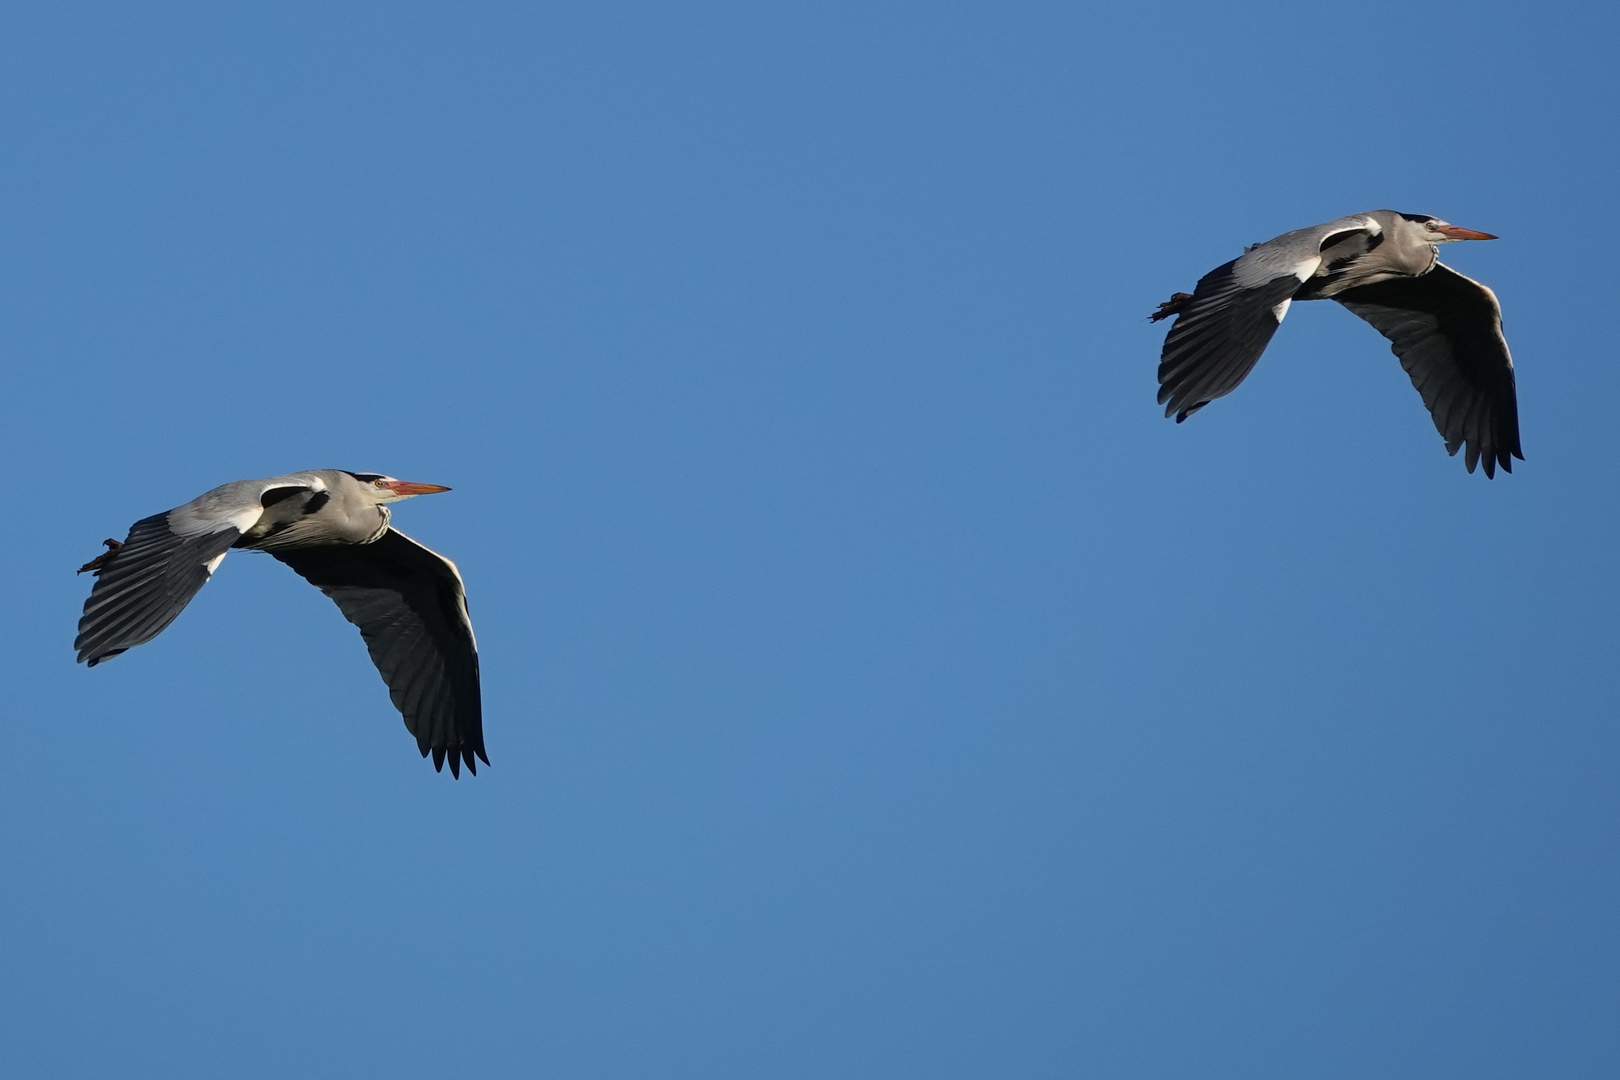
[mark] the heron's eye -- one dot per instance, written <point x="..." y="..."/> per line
<point x="1431" y="226"/>
<point x="378" y="483"/>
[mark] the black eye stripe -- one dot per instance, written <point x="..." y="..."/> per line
<point x="367" y="477"/>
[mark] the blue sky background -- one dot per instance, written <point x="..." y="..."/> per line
<point x="876" y="684"/>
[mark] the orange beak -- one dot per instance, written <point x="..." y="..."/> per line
<point x="405" y="487"/>
<point x="1457" y="233"/>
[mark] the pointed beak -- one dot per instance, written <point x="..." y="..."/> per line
<point x="404" y="488"/>
<point x="1455" y="232"/>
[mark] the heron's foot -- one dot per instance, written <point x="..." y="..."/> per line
<point x="1172" y="306"/>
<point x="99" y="561"/>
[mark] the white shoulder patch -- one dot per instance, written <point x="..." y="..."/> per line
<point x="236" y="505"/>
<point x="1282" y="309"/>
<point x="192" y="520"/>
<point x="1307" y="267"/>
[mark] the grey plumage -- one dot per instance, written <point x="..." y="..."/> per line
<point x="332" y="527"/>
<point x="1384" y="266"/>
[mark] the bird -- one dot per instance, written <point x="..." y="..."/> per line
<point x="333" y="528"/>
<point x="1445" y="327"/>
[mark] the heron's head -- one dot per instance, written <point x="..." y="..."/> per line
<point x="385" y="489"/>
<point x="1435" y="231"/>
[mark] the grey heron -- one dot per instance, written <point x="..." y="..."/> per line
<point x="332" y="527"/>
<point x="1384" y="266"/>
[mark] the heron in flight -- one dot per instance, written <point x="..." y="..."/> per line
<point x="1384" y="266"/>
<point x="332" y="527"/>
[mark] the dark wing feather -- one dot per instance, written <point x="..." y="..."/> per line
<point x="411" y="609"/>
<point x="1446" y="329"/>
<point x="1217" y="338"/>
<point x="144" y="584"/>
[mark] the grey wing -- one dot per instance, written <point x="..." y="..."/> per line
<point x="1446" y="328"/>
<point x="144" y="584"/>
<point x="1228" y="321"/>
<point x="411" y="608"/>
<point x="1219" y="335"/>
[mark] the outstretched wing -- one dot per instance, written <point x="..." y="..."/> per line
<point x="1227" y="322"/>
<point x="143" y="584"/>
<point x="1219" y="335"/>
<point x="1446" y="328"/>
<point x="146" y="583"/>
<point x="411" y="608"/>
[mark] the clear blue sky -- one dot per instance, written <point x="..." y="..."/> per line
<point x="876" y="684"/>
